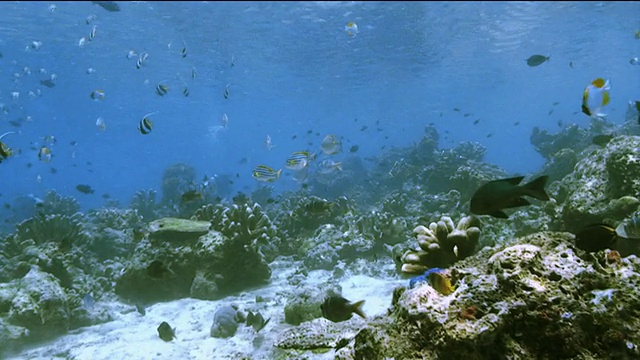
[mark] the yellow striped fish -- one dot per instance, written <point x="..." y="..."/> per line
<point x="265" y="173"/>
<point x="298" y="160"/>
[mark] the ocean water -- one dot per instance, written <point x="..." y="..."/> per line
<point x="294" y="74"/>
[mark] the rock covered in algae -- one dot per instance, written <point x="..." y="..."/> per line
<point x="541" y="298"/>
<point x="177" y="229"/>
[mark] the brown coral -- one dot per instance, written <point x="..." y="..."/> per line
<point x="442" y="244"/>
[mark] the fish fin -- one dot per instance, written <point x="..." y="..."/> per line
<point x="535" y="188"/>
<point x="499" y="214"/>
<point x="356" y="308"/>
<point x="263" y="325"/>
<point x="514" y="180"/>
<point x="518" y="202"/>
<point x="621" y="230"/>
<point x="605" y="98"/>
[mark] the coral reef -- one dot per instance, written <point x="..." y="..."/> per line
<point x="64" y="230"/>
<point x="144" y="202"/>
<point x="442" y="244"/>
<point x="604" y="185"/>
<point x="538" y="299"/>
<point x="176" y="179"/>
<point x="198" y="261"/>
<point x="54" y="203"/>
<point x="247" y="223"/>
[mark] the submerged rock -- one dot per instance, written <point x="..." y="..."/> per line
<point x="177" y="229"/>
<point x="225" y="322"/>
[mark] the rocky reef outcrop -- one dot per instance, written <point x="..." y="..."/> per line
<point x="186" y="258"/>
<point x="540" y="298"/>
<point x="605" y="184"/>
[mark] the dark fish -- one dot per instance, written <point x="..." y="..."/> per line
<point x="494" y="196"/>
<point x="318" y="206"/>
<point x="637" y="103"/>
<point x="191" y="195"/>
<point x="596" y="237"/>
<point x="336" y="308"/>
<point x="354" y="148"/>
<point x="85" y="189"/>
<point x="365" y="127"/>
<point x="53" y="170"/>
<point x="535" y="60"/>
<point x="145" y="126"/>
<point x="602" y="140"/>
<point x="157" y="270"/>
<point x="256" y="321"/>
<point x="48" y="83"/>
<point x="476" y="122"/>
<point x="107" y="5"/>
<point x="165" y="331"/>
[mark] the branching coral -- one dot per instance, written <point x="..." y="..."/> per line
<point x="382" y="227"/>
<point x="441" y="244"/>
<point x="62" y="229"/>
<point x="116" y="219"/>
<point x="54" y="203"/>
<point x="144" y="201"/>
<point x="176" y="180"/>
<point x="247" y="223"/>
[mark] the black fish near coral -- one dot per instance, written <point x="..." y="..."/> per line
<point x="158" y="270"/>
<point x="165" y="331"/>
<point x="108" y="5"/>
<point x="337" y="309"/>
<point x="596" y="237"/>
<point x="191" y="195"/>
<point x="495" y="196"/>
<point x="602" y="140"/>
<point x="85" y="189"/>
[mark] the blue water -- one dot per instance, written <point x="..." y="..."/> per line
<point x="291" y="67"/>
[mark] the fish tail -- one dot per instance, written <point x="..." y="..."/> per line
<point x="535" y="188"/>
<point x="356" y="308"/>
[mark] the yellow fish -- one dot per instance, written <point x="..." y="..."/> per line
<point x="266" y="173"/>
<point x="595" y="97"/>
<point x="440" y="283"/>
<point x="351" y="29"/>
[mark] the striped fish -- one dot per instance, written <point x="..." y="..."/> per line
<point x="266" y="173"/>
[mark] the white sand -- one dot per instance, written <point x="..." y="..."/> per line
<point x="132" y="336"/>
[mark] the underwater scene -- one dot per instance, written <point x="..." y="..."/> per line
<point x="319" y="180"/>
